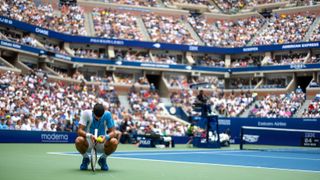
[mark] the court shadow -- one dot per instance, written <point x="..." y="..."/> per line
<point x="89" y="171"/>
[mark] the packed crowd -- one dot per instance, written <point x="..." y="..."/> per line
<point x="112" y="24"/>
<point x="273" y="83"/>
<point x="207" y="60"/>
<point x="144" y="100"/>
<point x="225" y="105"/>
<point x="244" y="83"/>
<point x="184" y="98"/>
<point x="282" y="106"/>
<point x="224" y="32"/>
<point x="313" y="110"/>
<point x="285" y="59"/>
<point x="315" y="34"/>
<point x="231" y="105"/>
<point x="246" y="61"/>
<point x="166" y="58"/>
<point x="145" y="104"/>
<point x="234" y="6"/>
<point x="192" y="2"/>
<point x="183" y="82"/>
<point x="70" y="20"/>
<point x="107" y="79"/>
<point x="281" y="28"/>
<point x="30" y="41"/>
<point x="130" y="79"/>
<point x="140" y="56"/>
<point x="314" y="59"/>
<point x="168" y="29"/>
<point x="230" y="6"/>
<point x="177" y="81"/>
<point x="212" y="82"/>
<point x="31" y="102"/>
<point x="86" y="53"/>
<point x="285" y="28"/>
<point x="123" y="78"/>
<point x="148" y="3"/>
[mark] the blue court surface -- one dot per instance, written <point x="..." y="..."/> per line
<point x="289" y="161"/>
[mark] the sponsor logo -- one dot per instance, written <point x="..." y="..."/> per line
<point x="8" y="44"/>
<point x="193" y="48"/>
<point x="46" y="137"/>
<point x="270" y="124"/>
<point x="310" y="120"/>
<point x="250" y="49"/>
<point x="224" y="122"/>
<point x="155" y="65"/>
<point x="250" y="138"/>
<point x="6" y="21"/>
<point x="61" y="56"/>
<point x="145" y="141"/>
<point x="310" y="135"/>
<point x="42" y="31"/>
<point x="188" y="67"/>
<point x="172" y="110"/>
<point x="157" y="45"/>
<point x="106" y="41"/>
<point x="297" y="66"/>
<point x="119" y="63"/>
<point x="293" y="46"/>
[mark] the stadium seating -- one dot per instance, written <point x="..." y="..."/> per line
<point x="282" y="106"/>
<point x="115" y="25"/>
<point x="70" y="21"/>
<point x="285" y="28"/>
<point x="167" y="29"/>
<point x="225" y="33"/>
<point x="313" y="110"/>
<point x="230" y="93"/>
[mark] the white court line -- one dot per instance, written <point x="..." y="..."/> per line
<point x="194" y="163"/>
<point x="172" y="153"/>
<point x="222" y="165"/>
<point x="272" y="157"/>
<point x="221" y="153"/>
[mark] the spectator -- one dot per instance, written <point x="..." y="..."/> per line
<point x="148" y="3"/>
<point x="192" y="2"/>
<point x="115" y="25"/>
<point x="167" y="29"/>
<point x="226" y="33"/>
<point x="313" y="110"/>
<point x="285" y="28"/>
<point x="283" y="106"/>
<point x="3" y="124"/>
<point x="71" y="20"/>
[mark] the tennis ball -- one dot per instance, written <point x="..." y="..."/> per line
<point x="99" y="139"/>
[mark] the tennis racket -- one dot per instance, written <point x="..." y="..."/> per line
<point x="94" y="153"/>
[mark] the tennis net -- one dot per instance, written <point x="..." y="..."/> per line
<point x="279" y="139"/>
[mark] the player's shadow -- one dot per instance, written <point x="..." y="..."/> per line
<point x="98" y="171"/>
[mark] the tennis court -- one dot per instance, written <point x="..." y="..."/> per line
<point x="60" y="161"/>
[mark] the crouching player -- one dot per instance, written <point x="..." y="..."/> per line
<point x="101" y="120"/>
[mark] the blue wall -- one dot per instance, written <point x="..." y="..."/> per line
<point x="234" y="124"/>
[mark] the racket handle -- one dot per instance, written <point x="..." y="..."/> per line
<point x="96" y="133"/>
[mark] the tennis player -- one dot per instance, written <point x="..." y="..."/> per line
<point x="101" y="120"/>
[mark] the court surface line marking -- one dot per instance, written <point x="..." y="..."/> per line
<point x="193" y="163"/>
<point x="221" y="153"/>
<point x="212" y="164"/>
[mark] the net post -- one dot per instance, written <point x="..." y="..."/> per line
<point x="241" y="138"/>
